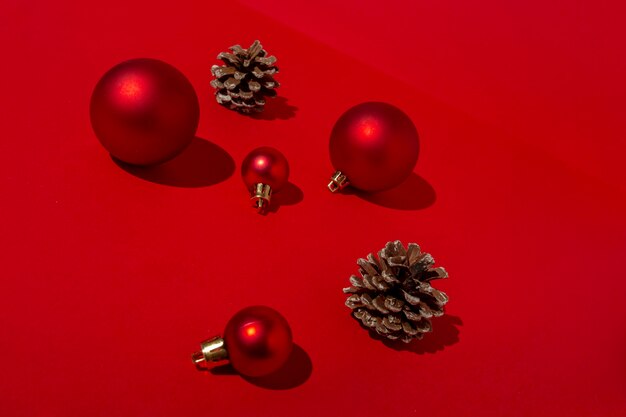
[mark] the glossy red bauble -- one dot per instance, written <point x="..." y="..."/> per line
<point x="258" y="341"/>
<point x="375" y="145"/>
<point x="267" y="166"/>
<point x="144" y="111"/>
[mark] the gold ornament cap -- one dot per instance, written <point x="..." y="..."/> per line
<point x="260" y="196"/>
<point x="211" y="350"/>
<point x="338" y="182"/>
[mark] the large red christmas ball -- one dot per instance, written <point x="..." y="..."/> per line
<point x="258" y="341"/>
<point x="375" y="145"/>
<point x="265" y="165"/>
<point x="144" y="111"/>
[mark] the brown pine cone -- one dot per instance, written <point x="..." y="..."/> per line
<point x="394" y="296"/>
<point x="245" y="79"/>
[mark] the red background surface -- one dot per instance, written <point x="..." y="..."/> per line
<point x="111" y="278"/>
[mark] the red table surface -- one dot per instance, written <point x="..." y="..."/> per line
<point x="111" y="278"/>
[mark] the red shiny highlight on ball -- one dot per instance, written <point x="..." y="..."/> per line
<point x="265" y="165"/>
<point x="368" y="127"/>
<point x="375" y="145"/>
<point x="250" y="330"/>
<point x="258" y="340"/>
<point x="130" y="87"/>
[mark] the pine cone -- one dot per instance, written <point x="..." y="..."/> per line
<point x="245" y="79"/>
<point x="394" y="295"/>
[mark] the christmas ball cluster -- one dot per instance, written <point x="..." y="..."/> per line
<point x="145" y="112"/>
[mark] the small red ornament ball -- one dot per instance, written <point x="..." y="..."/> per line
<point x="258" y="340"/>
<point x="375" y="145"/>
<point x="144" y="111"/>
<point x="267" y="166"/>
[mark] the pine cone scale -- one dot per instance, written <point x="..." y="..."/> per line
<point x="411" y="315"/>
<point x="356" y="282"/>
<point x="393" y="304"/>
<point x="411" y="299"/>
<point x="228" y="58"/>
<point x="379" y="303"/>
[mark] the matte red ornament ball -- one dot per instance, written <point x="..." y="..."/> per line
<point x="258" y="340"/>
<point x="144" y="111"/>
<point x="265" y="165"/>
<point x="375" y="145"/>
